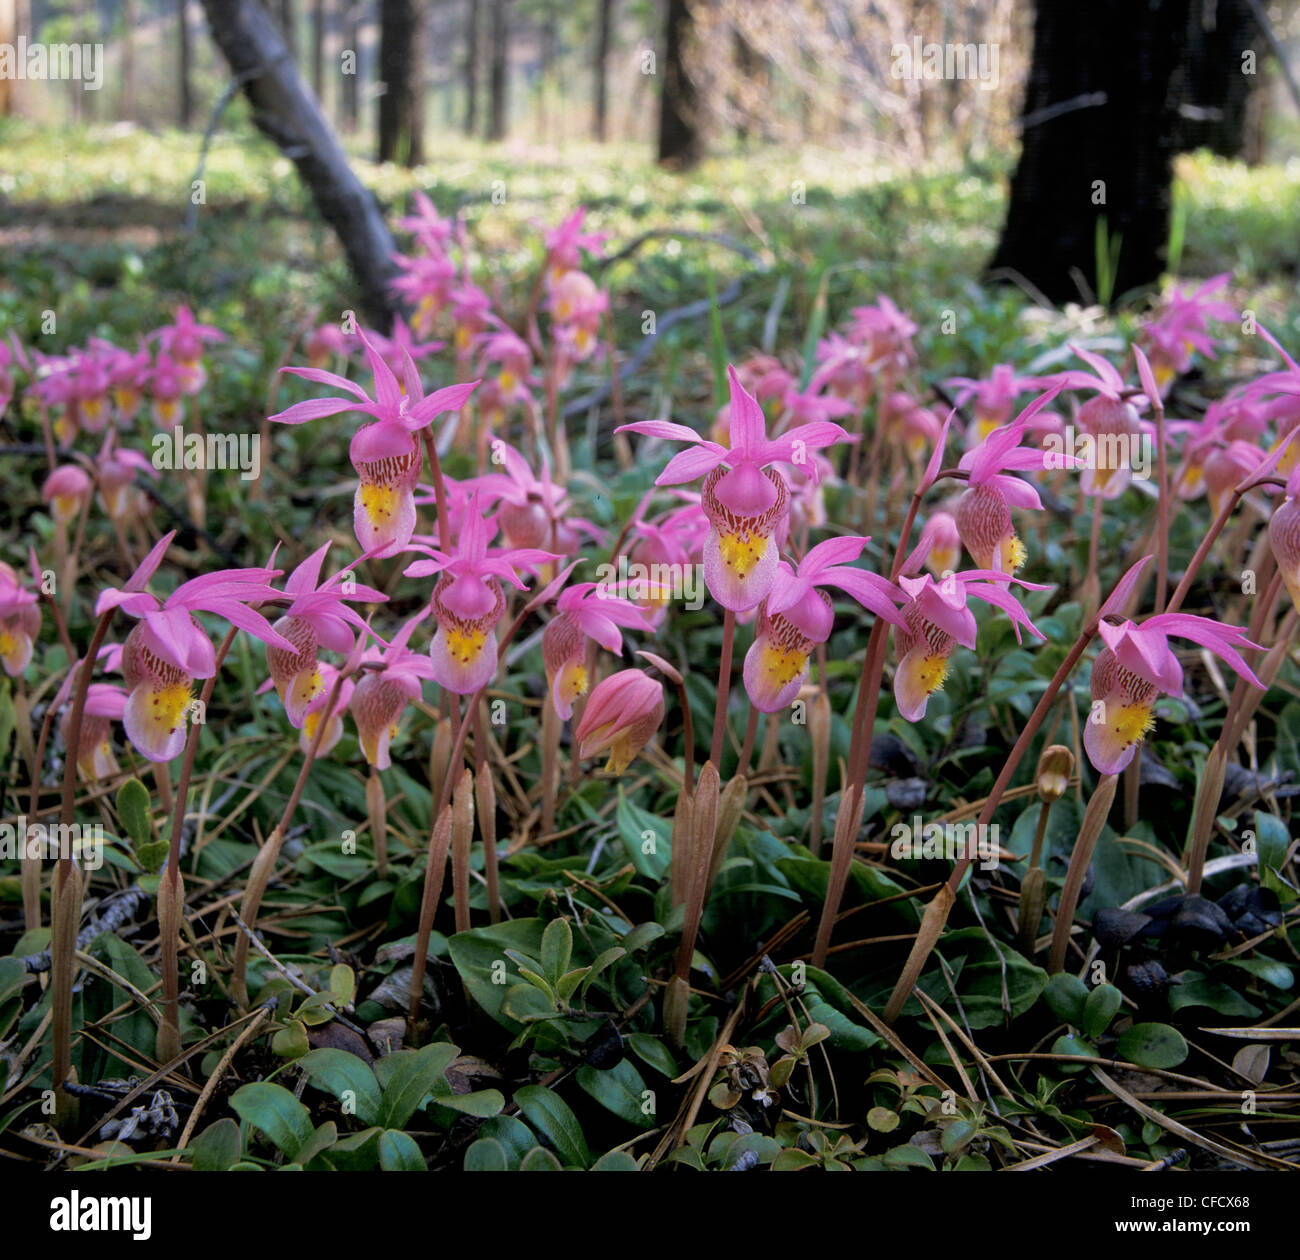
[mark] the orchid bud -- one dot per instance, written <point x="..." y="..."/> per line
<point x="66" y="490"/>
<point x="1055" y="765"/>
<point x="622" y="713"/>
<point x="296" y="675"/>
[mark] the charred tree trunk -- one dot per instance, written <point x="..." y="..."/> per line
<point x="498" y="84"/>
<point x="401" y="69"/>
<point x="471" y="67"/>
<point x="285" y="110"/>
<point x="186" y="112"/>
<point x="351" y="67"/>
<point x="1218" y="109"/>
<point x="604" y="33"/>
<point x="1097" y="140"/>
<point x="679" y="136"/>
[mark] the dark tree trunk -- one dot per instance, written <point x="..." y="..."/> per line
<point x="186" y="95"/>
<point x="318" y="18"/>
<point x="471" y="67"/>
<point x="604" y="33"/>
<point x="1097" y="139"/>
<point x="1217" y="110"/>
<point x="401" y="69"/>
<point x="498" y="84"/>
<point x="128" y="59"/>
<point x="285" y="110"/>
<point x="679" y="135"/>
<point x="352" y="71"/>
<point x="748" y="67"/>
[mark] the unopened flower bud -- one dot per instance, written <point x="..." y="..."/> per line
<point x="1055" y="766"/>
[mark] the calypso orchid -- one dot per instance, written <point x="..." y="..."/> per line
<point x="317" y="617"/>
<point x="381" y="695"/>
<point x="622" y="713"/>
<point x="1136" y="665"/>
<point x="744" y="499"/>
<point x="983" y="512"/>
<point x="586" y="610"/>
<point x="385" y="451"/>
<point x="20" y="622"/>
<point x="797" y="615"/>
<point x="467" y="601"/>
<point x="937" y="620"/>
<point x="168" y="649"/>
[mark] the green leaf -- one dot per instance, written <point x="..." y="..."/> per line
<point x="642" y="935"/>
<point x="274" y="1111"/>
<point x="640" y="830"/>
<point x="151" y="855"/>
<point x="1153" y="1046"/>
<point x="133" y="809"/>
<point x="399" y="1153"/>
<point x="1072" y="1045"/>
<point x="554" y="1120"/>
<point x="539" y="1159"/>
<point x="618" y="1089"/>
<point x="347" y="1077"/>
<point x="343" y="985"/>
<point x="901" y="1157"/>
<point x="409" y="1080"/>
<point x="480" y="1102"/>
<point x="1196" y="990"/>
<point x="1269" y="970"/>
<point x="515" y="1137"/>
<point x="616" y="1161"/>
<point x="290" y="1042"/>
<point x="217" y="1148"/>
<point x="1065" y="996"/>
<point x="652" y="1051"/>
<point x="486" y="1155"/>
<point x="476" y="954"/>
<point x="1099" y="1009"/>
<point x="603" y="960"/>
<point x="324" y="1137"/>
<point x="567" y="983"/>
<point x="557" y="949"/>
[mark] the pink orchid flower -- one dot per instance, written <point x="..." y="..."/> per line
<point x="183" y="342"/>
<point x="385" y="452"/>
<point x="1136" y="665"/>
<point x="317" y="617"/>
<point x="381" y="696"/>
<point x="433" y="232"/>
<point x="995" y="397"/>
<point x="1178" y="329"/>
<point x="563" y="244"/>
<point x="67" y="490"/>
<point x="663" y="549"/>
<point x="105" y="704"/>
<point x="798" y="614"/>
<point x="744" y="499"/>
<point x="586" y="610"/>
<point x="20" y="622"/>
<point x="168" y="649"/>
<point x="115" y="472"/>
<point x="467" y="601"/>
<point x="622" y="713"/>
<point x="128" y="374"/>
<point x="984" y="511"/>
<point x="937" y="620"/>
<point x="166" y="381"/>
<point x="938" y="548"/>
<point x="315" y="711"/>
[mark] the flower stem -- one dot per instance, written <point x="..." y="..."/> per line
<point x="724" y="688"/>
<point x="1094" y="818"/>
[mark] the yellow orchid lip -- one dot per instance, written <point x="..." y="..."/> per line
<point x="378" y="502"/>
<point x="740" y="552"/>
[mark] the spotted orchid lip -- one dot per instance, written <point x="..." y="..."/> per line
<point x="1126" y="700"/>
<point x="740" y="554"/>
<point x="776" y="664"/>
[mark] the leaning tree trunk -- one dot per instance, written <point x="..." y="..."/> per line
<point x="285" y="110"/>
<point x="401" y="69"/>
<point x="604" y="31"/>
<point x="1097" y="140"/>
<point x="679" y="134"/>
<point x="287" y="27"/>
<point x="183" y="64"/>
<point x="498" y="80"/>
